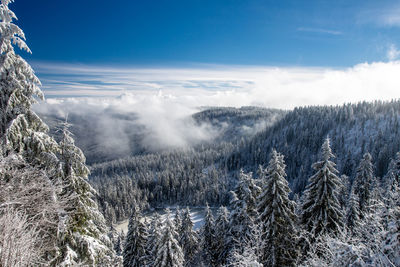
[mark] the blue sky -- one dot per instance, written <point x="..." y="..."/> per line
<point x="274" y="53"/>
<point x="340" y="33"/>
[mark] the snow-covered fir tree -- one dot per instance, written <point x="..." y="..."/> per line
<point x="392" y="178"/>
<point x="208" y="238"/>
<point x="189" y="239"/>
<point x="243" y="230"/>
<point x="247" y="258"/>
<point x="353" y="212"/>
<point x="222" y="234"/>
<point x="391" y="238"/>
<point x="136" y="241"/>
<point x="277" y="216"/>
<point x="178" y="218"/>
<point x="372" y="226"/>
<point x="83" y="238"/>
<point x="363" y="182"/>
<point x="153" y="238"/>
<point x="321" y="212"/>
<point x="248" y="191"/>
<point x="169" y="253"/>
<point x="242" y="222"/>
<point x="21" y="130"/>
<point x="344" y="190"/>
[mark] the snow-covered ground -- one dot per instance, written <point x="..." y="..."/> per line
<point x="196" y="213"/>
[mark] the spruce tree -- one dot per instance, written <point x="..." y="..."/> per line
<point x="178" y="218"/>
<point x="247" y="258"/>
<point x="392" y="178"/>
<point x="84" y="223"/>
<point x="189" y="239"/>
<point x="277" y="216"/>
<point x="321" y="211"/>
<point x="391" y="238"/>
<point x="153" y="239"/>
<point x="222" y="234"/>
<point x="248" y="191"/>
<point x="353" y="212"/>
<point x="169" y="252"/>
<point x="344" y="191"/>
<point x="242" y="222"/>
<point x="208" y="237"/>
<point x="242" y="227"/>
<point x="363" y="182"/>
<point x="136" y="240"/>
<point x="21" y="130"/>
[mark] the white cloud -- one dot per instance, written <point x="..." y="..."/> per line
<point x="390" y="17"/>
<point x="319" y="30"/>
<point x="277" y="87"/>
<point x="386" y="16"/>
<point x="392" y="53"/>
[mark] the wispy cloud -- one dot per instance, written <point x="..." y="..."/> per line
<point x="319" y="30"/>
<point x="390" y="17"/>
<point x="392" y="53"/>
<point x="386" y="16"/>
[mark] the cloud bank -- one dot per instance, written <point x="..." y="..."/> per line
<point x="274" y="87"/>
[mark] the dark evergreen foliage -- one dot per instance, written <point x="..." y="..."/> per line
<point x="321" y="212"/>
<point x="277" y="216"/>
<point x="363" y="182"/>
<point x="136" y="241"/>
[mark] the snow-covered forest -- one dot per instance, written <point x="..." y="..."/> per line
<point x="312" y="186"/>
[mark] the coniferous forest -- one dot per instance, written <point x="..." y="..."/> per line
<point x="312" y="186"/>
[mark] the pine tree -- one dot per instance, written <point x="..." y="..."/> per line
<point x="353" y="212"/>
<point x="363" y="182"/>
<point x="344" y="191"/>
<point x="242" y="221"/>
<point x="391" y="238"/>
<point x="136" y="240"/>
<point x="153" y="240"/>
<point x="222" y="234"/>
<point x="248" y="191"/>
<point x="169" y="253"/>
<point x="208" y="237"/>
<point x="83" y="237"/>
<point x="21" y="130"/>
<point x="242" y="227"/>
<point x="178" y="218"/>
<point x="321" y="211"/>
<point x="277" y="216"/>
<point x="247" y="258"/>
<point x="392" y="178"/>
<point x="188" y="238"/>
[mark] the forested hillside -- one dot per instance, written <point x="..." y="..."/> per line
<point x="207" y="172"/>
<point x="354" y="129"/>
<point x="187" y="176"/>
